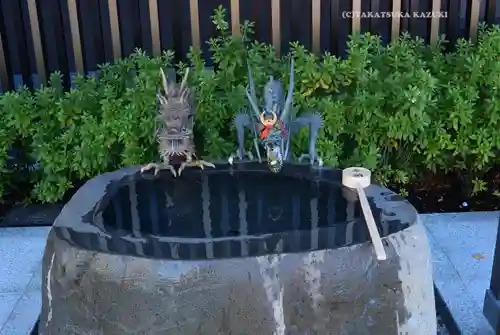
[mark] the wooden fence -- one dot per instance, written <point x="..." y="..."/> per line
<point x="38" y="37"/>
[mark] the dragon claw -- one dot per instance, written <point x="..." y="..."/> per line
<point x="302" y="157"/>
<point x="151" y="166"/>
<point x="157" y="168"/>
<point x="205" y="163"/>
<point x="238" y="156"/>
<point x="316" y="160"/>
<point x="198" y="163"/>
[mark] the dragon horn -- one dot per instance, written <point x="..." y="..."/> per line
<point x="289" y="97"/>
<point x="252" y="95"/>
<point x="161" y="99"/>
<point x="184" y="94"/>
<point x="253" y="92"/>
<point x="275" y="118"/>
<point x="184" y="80"/>
<point x="165" y="83"/>
<point x="262" y="119"/>
<point x="253" y="103"/>
<point x="251" y="82"/>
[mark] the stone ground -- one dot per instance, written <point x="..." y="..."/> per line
<point x="21" y="251"/>
<point x="462" y="247"/>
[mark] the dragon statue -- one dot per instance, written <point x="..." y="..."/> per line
<point x="274" y="125"/>
<point x="175" y="132"/>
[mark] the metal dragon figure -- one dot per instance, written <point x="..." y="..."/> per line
<point x="274" y="125"/>
<point x="175" y="132"/>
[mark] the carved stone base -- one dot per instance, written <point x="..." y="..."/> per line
<point x="343" y="290"/>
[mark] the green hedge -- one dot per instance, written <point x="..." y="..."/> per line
<point x="400" y="110"/>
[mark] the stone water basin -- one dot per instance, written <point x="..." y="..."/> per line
<point x="234" y="250"/>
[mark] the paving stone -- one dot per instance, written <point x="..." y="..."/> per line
<point x="462" y="247"/>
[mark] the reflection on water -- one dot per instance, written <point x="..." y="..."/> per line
<point x="217" y="214"/>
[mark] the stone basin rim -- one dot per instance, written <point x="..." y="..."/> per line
<point x="89" y="197"/>
<point x="332" y="176"/>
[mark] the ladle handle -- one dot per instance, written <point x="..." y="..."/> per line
<point x="372" y="226"/>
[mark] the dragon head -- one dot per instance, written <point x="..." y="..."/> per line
<point x="274" y="96"/>
<point x="176" y="116"/>
<point x="275" y="114"/>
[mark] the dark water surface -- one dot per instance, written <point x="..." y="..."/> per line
<point x="218" y="214"/>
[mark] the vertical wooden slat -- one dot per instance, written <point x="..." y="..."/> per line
<point x="474" y="18"/>
<point x="382" y="27"/>
<point x="258" y="11"/>
<point x="115" y="29"/>
<point x="55" y="54"/>
<point x="436" y="7"/>
<point x="316" y="25"/>
<point x="155" y="27"/>
<point x="4" y="77"/>
<point x="298" y="16"/>
<point x="418" y="27"/>
<point x="194" y="17"/>
<point x="405" y="21"/>
<point x="491" y="11"/>
<point x="95" y="27"/>
<point x="396" y="21"/>
<point x="335" y="16"/>
<point x="107" y="41"/>
<point x="288" y="27"/>
<point x="276" y="25"/>
<point x="166" y="26"/>
<point x="375" y="23"/>
<point x="75" y="35"/>
<point x="129" y="17"/>
<point x="145" y="31"/>
<point x="21" y="65"/>
<point x="453" y="24"/>
<point x="37" y="40"/>
<point x="356" y="19"/>
<point x="67" y="51"/>
<point x="235" y="17"/>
